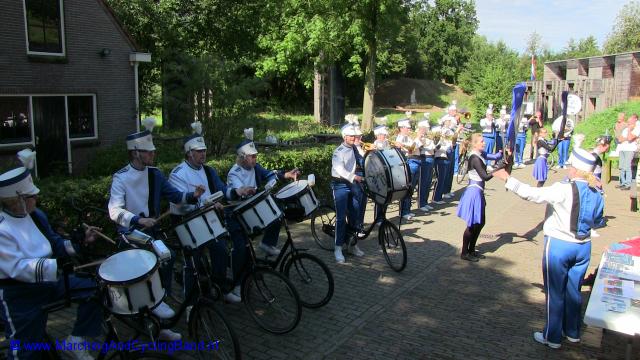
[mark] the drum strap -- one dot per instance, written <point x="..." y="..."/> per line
<point x="150" y="288"/>
<point x="210" y="182"/>
<point x="152" y="194"/>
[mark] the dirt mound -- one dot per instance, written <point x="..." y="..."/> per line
<point x="429" y="94"/>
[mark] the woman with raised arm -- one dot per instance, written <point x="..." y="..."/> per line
<point x="545" y="147"/>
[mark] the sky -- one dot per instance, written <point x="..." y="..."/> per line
<point x="556" y="21"/>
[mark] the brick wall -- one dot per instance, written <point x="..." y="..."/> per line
<point x="89" y="27"/>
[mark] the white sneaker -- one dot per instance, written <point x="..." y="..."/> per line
<point x="573" y="340"/>
<point x="269" y="250"/>
<point x="522" y="166"/>
<point x="237" y="291"/>
<point x="489" y="168"/>
<point x="439" y="202"/>
<point x="355" y="250"/>
<point x="425" y="209"/>
<point x="80" y="353"/>
<point x="452" y="194"/>
<point x="594" y="233"/>
<point x="407" y="217"/>
<point x="338" y="254"/>
<point x="163" y="311"/>
<point x="429" y="207"/>
<point x="539" y="337"/>
<point x="168" y="335"/>
<point x="232" y="298"/>
<point x="447" y="196"/>
<point x="412" y="214"/>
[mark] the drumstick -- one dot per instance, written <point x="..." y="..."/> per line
<point x="93" y="263"/>
<point x="164" y="215"/>
<point x="99" y="233"/>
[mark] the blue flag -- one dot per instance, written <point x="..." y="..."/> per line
<point x="516" y="104"/>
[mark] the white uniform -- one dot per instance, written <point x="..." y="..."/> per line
<point x="381" y="145"/>
<point x="425" y="145"/>
<point x="445" y="143"/>
<point x="453" y="121"/>
<point x="129" y="195"/>
<point x="568" y="128"/>
<point x="239" y="177"/>
<point x="183" y="177"/>
<point x="487" y="125"/>
<point x="343" y="163"/>
<point x="406" y="141"/>
<point x="26" y="252"/>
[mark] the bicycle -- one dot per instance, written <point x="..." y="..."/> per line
<point x="305" y="271"/>
<point x="323" y="222"/>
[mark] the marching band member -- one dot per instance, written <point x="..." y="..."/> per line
<point x="488" y="126"/>
<point x="407" y="144"/>
<point x="427" y="149"/>
<point x="535" y="124"/>
<point x="521" y="142"/>
<point x="32" y="256"/>
<point x="343" y="173"/>
<point x="452" y="110"/>
<point x="381" y="134"/>
<point x="136" y="191"/>
<point x="246" y="172"/>
<point x="577" y="206"/>
<point x="194" y="171"/>
<point x="442" y="161"/>
<point x="359" y="198"/>
<point x="472" y="205"/>
<point x="453" y="119"/>
<point x="501" y="128"/>
<point x="540" y="168"/>
<point x="565" y="140"/>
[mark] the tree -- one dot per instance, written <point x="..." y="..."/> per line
<point x="360" y="36"/>
<point x="444" y="32"/>
<point x="534" y="44"/>
<point x="581" y="48"/>
<point x="625" y="34"/>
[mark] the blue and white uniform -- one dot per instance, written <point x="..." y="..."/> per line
<point x="488" y="127"/>
<point x="521" y="141"/>
<point x="565" y="143"/>
<point x="137" y="194"/>
<point x="257" y="177"/>
<point x="413" y="162"/>
<point x="182" y="178"/>
<point x="29" y="280"/>
<point x="343" y="172"/>
<point x="567" y="249"/>
<point x="427" y="151"/>
<point x="442" y="149"/>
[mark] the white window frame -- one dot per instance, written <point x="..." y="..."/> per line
<point x="62" y="32"/>
<point x="95" y="117"/>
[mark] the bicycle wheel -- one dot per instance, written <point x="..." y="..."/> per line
<point x="271" y="300"/>
<point x="323" y="225"/>
<point x="462" y="170"/>
<point x="312" y="279"/>
<point x="392" y="244"/>
<point x="208" y="325"/>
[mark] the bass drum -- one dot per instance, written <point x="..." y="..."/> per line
<point x="386" y="175"/>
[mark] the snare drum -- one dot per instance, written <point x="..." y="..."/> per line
<point x="256" y="213"/>
<point x="200" y="227"/>
<point x="298" y="200"/>
<point x="386" y="175"/>
<point x="131" y="281"/>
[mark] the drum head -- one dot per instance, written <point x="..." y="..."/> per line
<point x="292" y="189"/>
<point x="375" y="170"/>
<point x="127" y="265"/>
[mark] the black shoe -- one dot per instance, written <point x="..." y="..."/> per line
<point x="619" y="186"/>
<point x="469" y="257"/>
<point x="478" y="255"/>
<point x="626" y="187"/>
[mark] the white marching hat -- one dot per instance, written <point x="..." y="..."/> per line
<point x="404" y="123"/>
<point x="489" y="110"/>
<point x="358" y="130"/>
<point x="349" y="130"/>
<point x="195" y="141"/>
<point x="582" y="160"/>
<point x="142" y="140"/>
<point x="453" y="105"/>
<point x="503" y="111"/>
<point x="17" y="182"/>
<point x="381" y="129"/>
<point x="246" y="146"/>
<point x="424" y="124"/>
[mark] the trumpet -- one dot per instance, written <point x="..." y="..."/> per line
<point x="367" y="146"/>
<point x="467" y="115"/>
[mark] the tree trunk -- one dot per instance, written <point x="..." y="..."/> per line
<point x="368" y="102"/>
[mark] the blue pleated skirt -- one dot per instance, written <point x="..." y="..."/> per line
<point x="471" y="205"/>
<point x="540" y="169"/>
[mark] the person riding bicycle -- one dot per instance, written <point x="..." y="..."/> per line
<point x="136" y="191"/>
<point x="194" y="171"/>
<point x="33" y="255"/>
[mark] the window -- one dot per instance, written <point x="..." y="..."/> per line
<point x="15" y="126"/>
<point x="44" y="27"/>
<point x="81" y="117"/>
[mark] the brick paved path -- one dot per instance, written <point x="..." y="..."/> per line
<point x="440" y="307"/>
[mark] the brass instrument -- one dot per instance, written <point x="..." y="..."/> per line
<point x="467" y="115"/>
<point x="367" y="146"/>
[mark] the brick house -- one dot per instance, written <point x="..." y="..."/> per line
<point x="68" y="83"/>
<point x="600" y="81"/>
